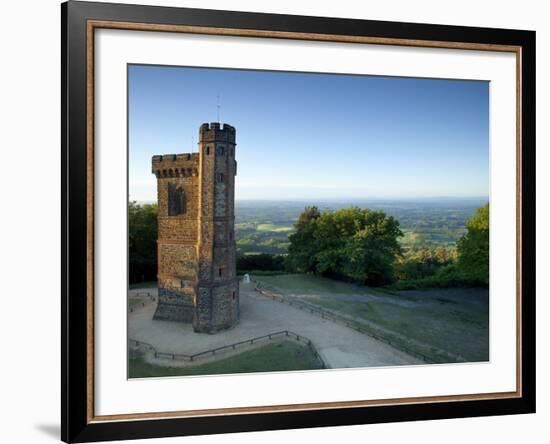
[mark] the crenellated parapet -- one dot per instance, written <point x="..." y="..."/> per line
<point x="176" y="165"/>
<point x="210" y="132"/>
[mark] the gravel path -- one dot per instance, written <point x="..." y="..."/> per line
<point x="339" y="346"/>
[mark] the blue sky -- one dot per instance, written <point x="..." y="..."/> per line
<point x="317" y="136"/>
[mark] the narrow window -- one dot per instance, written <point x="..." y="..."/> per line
<point x="221" y="178"/>
<point x="233" y="296"/>
<point x="230" y="235"/>
<point x="221" y="151"/>
<point x="219" y="272"/>
<point x="176" y="200"/>
<point x="207" y="150"/>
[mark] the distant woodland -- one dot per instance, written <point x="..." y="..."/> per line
<point x="416" y="247"/>
<point x="362" y="245"/>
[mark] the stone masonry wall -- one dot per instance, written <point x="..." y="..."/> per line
<point x="196" y="247"/>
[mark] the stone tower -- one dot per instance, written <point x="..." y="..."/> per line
<point x="197" y="279"/>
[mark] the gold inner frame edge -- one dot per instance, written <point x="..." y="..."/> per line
<point x="96" y="24"/>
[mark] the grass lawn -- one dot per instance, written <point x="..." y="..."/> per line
<point x="260" y="272"/>
<point x="309" y="284"/>
<point x="132" y="302"/>
<point x="279" y="356"/>
<point x="453" y="320"/>
<point x="305" y="283"/>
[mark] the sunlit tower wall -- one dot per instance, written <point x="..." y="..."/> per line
<point x="197" y="280"/>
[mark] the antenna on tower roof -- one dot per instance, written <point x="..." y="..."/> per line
<point x="218" y="109"/>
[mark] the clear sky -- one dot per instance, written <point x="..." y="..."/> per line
<point x="315" y="136"/>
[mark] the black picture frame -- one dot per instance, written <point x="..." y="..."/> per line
<point x="76" y="423"/>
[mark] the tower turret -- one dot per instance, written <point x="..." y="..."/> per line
<point x="218" y="292"/>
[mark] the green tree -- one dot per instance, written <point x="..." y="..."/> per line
<point x="302" y="248"/>
<point x="420" y="262"/>
<point x="353" y="243"/>
<point x="260" y="262"/>
<point x="142" y="242"/>
<point x="307" y="216"/>
<point x="473" y="247"/>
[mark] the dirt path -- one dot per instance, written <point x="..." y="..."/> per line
<point x="339" y="346"/>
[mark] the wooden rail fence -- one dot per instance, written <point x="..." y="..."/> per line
<point x="247" y="342"/>
<point x="355" y="325"/>
<point x="143" y="303"/>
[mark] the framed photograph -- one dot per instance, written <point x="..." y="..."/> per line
<point x="275" y="221"/>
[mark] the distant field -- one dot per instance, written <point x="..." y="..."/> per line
<point x="280" y="356"/>
<point x="274" y="228"/>
<point x="433" y="237"/>
<point x="262" y="237"/>
<point x="453" y="320"/>
<point x="264" y="226"/>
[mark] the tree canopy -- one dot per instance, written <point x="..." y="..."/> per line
<point x="142" y="242"/>
<point x="473" y="247"/>
<point x="354" y="243"/>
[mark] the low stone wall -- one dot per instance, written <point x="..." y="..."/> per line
<point x="140" y="348"/>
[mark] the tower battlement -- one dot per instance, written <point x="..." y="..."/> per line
<point x="215" y="131"/>
<point x="197" y="274"/>
<point x="175" y="165"/>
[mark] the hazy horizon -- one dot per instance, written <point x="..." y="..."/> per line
<point x="445" y="199"/>
<point x="303" y="136"/>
